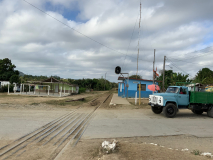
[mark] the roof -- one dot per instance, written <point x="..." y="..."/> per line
<point x="196" y="84"/>
<point x="123" y="78"/>
<point x="51" y="79"/>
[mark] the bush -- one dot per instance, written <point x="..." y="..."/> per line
<point x="5" y="88"/>
<point x="82" y="90"/>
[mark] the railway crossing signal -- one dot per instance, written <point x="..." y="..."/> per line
<point x="118" y="70"/>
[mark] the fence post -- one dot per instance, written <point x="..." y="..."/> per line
<point x="8" y="88"/>
<point x="61" y="91"/>
<point x="48" y="90"/>
<point x="136" y="98"/>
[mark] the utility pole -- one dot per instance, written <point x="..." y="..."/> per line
<point x="105" y="80"/>
<point x="164" y="70"/>
<point x="138" y="41"/>
<point x="154" y="68"/>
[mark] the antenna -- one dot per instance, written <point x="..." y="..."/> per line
<point x="138" y="40"/>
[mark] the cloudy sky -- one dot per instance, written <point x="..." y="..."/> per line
<point x="87" y="38"/>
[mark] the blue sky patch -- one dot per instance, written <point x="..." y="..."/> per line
<point x="68" y="13"/>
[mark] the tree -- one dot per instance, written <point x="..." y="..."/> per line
<point x="171" y="78"/>
<point x="7" y="69"/>
<point x="135" y="76"/>
<point x="14" y="79"/>
<point x="204" y="76"/>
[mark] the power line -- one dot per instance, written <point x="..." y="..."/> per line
<point x="191" y="62"/>
<point x="197" y="51"/>
<point x="179" y="68"/>
<point x="130" y="41"/>
<point x="78" y="31"/>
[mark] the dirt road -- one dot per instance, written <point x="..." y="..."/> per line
<point x="130" y="125"/>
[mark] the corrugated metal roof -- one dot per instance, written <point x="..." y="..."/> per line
<point x="123" y="78"/>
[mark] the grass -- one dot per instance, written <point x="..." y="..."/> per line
<point x="64" y="103"/>
<point x="35" y="104"/>
<point x="196" y="152"/>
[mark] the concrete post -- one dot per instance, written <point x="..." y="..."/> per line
<point x="61" y="91"/>
<point x="29" y="88"/>
<point x="20" y="88"/>
<point x="23" y="87"/>
<point x="48" y="90"/>
<point x="72" y="89"/>
<point x="34" y="89"/>
<point x="64" y="91"/>
<point x="136" y="98"/>
<point x="8" y="88"/>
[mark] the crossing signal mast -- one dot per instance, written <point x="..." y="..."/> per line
<point x="118" y="71"/>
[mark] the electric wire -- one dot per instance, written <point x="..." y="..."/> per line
<point x="178" y="67"/>
<point x="195" y="52"/>
<point x="78" y="31"/>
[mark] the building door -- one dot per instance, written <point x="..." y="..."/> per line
<point x="56" y="88"/>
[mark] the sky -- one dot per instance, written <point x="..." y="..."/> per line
<point x="89" y="38"/>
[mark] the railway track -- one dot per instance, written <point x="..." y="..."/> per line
<point x="47" y="141"/>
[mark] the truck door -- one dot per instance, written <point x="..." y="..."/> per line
<point x="183" y="98"/>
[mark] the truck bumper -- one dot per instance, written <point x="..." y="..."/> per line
<point x="156" y="105"/>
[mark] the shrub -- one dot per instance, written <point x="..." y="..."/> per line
<point x="5" y="88"/>
<point x="82" y="90"/>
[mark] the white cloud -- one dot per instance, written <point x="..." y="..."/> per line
<point x="40" y="45"/>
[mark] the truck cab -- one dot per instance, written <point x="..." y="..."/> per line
<point x="175" y="97"/>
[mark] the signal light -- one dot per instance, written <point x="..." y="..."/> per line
<point x="118" y="70"/>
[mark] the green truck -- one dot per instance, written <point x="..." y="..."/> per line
<point x="179" y="97"/>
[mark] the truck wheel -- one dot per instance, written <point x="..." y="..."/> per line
<point x="157" y="110"/>
<point x="210" y="112"/>
<point x="170" y="110"/>
<point x="197" y="111"/>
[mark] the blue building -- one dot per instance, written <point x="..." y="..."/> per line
<point x="134" y="87"/>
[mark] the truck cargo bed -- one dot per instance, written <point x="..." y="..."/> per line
<point x="201" y="97"/>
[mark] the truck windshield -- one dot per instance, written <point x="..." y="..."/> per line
<point x="172" y="90"/>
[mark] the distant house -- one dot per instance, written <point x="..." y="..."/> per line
<point x="4" y="83"/>
<point x="55" y="86"/>
<point x="196" y="87"/>
<point x="134" y="87"/>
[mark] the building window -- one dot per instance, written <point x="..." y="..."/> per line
<point x="143" y="87"/>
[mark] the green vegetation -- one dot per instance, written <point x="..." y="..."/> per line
<point x="196" y="152"/>
<point x="135" y="76"/>
<point x="204" y="76"/>
<point x="82" y="90"/>
<point x="171" y="78"/>
<point x="8" y="72"/>
<point x="95" y="84"/>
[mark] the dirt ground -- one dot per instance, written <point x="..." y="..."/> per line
<point x="143" y="105"/>
<point x="35" y="102"/>
<point x="137" y="148"/>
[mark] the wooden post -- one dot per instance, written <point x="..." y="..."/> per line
<point x="140" y="93"/>
<point x="164" y="70"/>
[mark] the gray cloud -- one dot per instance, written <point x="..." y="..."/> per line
<point x="39" y="45"/>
